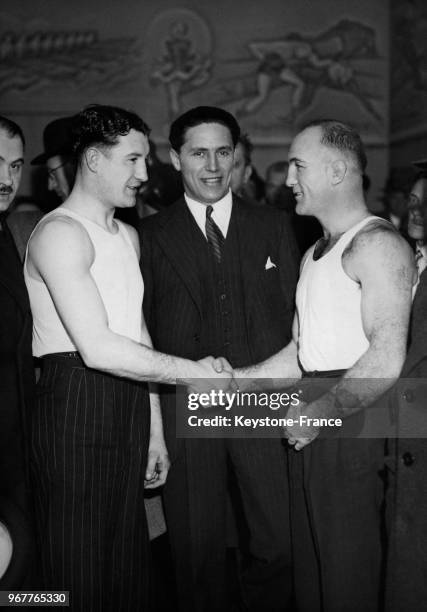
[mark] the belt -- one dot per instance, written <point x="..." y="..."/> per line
<point x="68" y="357"/>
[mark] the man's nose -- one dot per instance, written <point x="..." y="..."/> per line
<point x="212" y="162"/>
<point x="141" y="171"/>
<point x="51" y="183"/>
<point x="6" y="175"/>
<point x="290" y="178"/>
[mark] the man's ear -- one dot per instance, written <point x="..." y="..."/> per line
<point x="176" y="163"/>
<point x="337" y="171"/>
<point x="247" y="174"/>
<point x="92" y="157"/>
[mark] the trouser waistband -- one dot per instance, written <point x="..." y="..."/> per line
<point x="67" y="357"/>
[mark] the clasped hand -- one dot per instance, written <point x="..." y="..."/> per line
<point x="213" y="374"/>
<point x="300" y="434"/>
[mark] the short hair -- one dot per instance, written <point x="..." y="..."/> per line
<point x="344" y="138"/>
<point x="12" y="129"/>
<point x="279" y="167"/>
<point x="197" y="116"/>
<point x="247" y="147"/>
<point x="99" y="125"/>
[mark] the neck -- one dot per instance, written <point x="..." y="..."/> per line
<point x="86" y="204"/>
<point x="341" y="220"/>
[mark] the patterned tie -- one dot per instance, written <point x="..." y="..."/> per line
<point x="214" y="235"/>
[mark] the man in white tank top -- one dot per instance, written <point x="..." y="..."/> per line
<point x="93" y="447"/>
<point x="353" y="306"/>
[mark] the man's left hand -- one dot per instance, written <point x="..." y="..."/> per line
<point x="300" y="434"/>
<point x="157" y="464"/>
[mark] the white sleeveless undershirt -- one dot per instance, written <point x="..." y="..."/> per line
<point x="117" y="276"/>
<point x="331" y="335"/>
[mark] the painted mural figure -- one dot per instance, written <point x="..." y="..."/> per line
<point x="180" y="64"/>
<point x="279" y="61"/>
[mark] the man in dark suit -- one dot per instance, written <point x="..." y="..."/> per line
<point x="16" y="364"/>
<point x="406" y="586"/>
<point x="219" y="279"/>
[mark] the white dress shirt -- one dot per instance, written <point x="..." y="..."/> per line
<point x="221" y="212"/>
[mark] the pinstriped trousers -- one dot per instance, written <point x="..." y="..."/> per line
<point x="89" y="441"/>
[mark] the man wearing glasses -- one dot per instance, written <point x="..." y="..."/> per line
<point x="57" y="157"/>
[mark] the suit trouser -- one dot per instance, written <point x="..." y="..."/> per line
<point x="195" y="504"/>
<point x="88" y="453"/>
<point x="336" y="503"/>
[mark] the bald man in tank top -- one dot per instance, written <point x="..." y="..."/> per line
<point x="353" y="304"/>
<point x="93" y="448"/>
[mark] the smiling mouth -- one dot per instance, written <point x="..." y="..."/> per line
<point x="212" y="180"/>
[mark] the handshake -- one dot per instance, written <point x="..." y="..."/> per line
<point x="212" y="374"/>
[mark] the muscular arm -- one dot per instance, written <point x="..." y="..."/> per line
<point x="281" y="366"/>
<point x="381" y="261"/>
<point x="61" y="255"/>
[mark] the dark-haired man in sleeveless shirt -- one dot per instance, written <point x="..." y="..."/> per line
<point x="93" y="446"/>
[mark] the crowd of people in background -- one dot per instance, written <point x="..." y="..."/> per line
<point x="138" y="275"/>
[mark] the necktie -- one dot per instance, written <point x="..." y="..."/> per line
<point x="214" y="235"/>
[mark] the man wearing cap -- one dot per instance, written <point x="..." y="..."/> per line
<point x="16" y="362"/>
<point x="406" y="586"/>
<point x="220" y="277"/>
<point x="58" y="157"/>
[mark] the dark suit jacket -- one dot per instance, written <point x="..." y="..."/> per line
<point x="16" y="380"/>
<point x="407" y="495"/>
<point x="172" y="291"/>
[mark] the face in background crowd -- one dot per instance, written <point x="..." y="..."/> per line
<point x="274" y="181"/>
<point x="58" y="181"/>
<point x="241" y="170"/>
<point x="417" y="210"/>
<point x="205" y="161"/>
<point x="11" y="163"/>
<point x="121" y="169"/>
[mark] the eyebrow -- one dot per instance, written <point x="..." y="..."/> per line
<point x="296" y="159"/>
<point x="14" y="161"/>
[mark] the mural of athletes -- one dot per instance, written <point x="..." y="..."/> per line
<point x="275" y="64"/>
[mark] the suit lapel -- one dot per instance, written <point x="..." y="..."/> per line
<point x="176" y="240"/>
<point x="251" y="245"/>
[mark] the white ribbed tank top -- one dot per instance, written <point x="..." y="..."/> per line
<point x="117" y="276"/>
<point x="331" y="335"/>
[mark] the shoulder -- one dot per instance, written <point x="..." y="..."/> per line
<point x="56" y="237"/>
<point x="379" y="236"/>
<point x="131" y="232"/>
<point x="261" y="213"/>
<point x="378" y="246"/>
<point x="154" y="223"/>
<point x="57" y="228"/>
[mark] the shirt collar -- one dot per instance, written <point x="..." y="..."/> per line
<point x="221" y="212"/>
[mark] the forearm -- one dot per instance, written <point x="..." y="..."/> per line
<point x="126" y="358"/>
<point x="360" y="387"/>
<point x="272" y="373"/>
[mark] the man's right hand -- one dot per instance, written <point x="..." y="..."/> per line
<point x="212" y="374"/>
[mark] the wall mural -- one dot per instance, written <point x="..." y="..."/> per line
<point x="271" y="84"/>
<point x="409" y="74"/>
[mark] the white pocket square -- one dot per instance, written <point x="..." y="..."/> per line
<point x="269" y="264"/>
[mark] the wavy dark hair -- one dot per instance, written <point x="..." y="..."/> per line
<point x="101" y="126"/>
<point x="197" y="116"/>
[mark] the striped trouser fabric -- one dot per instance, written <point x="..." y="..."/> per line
<point x="89" y="440"/>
